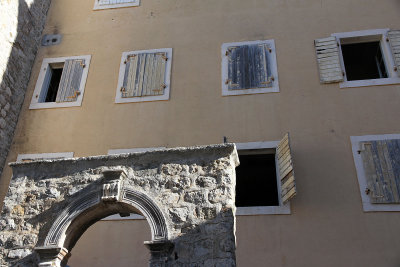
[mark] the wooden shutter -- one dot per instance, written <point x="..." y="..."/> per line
<point x="394" y="40"/>
<point x="381" y="160"/>
<point x="285" y="168"/>
<point x="46" y="84"/>
<point x="68" y="90"/>
<point x="144" y="75"/>
<point x="248" y="67"/>
<point x="327" y="50"/>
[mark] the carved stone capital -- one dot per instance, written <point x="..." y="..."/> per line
<point x="160" y="251"/>
<point x="113" y="183"/>
<point x="51" y="256"/>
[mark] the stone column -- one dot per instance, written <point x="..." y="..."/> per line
<point x="52" y="256"/>
<point x="160" y="252"/>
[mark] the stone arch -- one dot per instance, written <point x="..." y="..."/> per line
<point x="111" y="197"/>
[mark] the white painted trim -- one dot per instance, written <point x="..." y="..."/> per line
<point x="257" y="145"/>
<point x="360" y="33"/>
<point x="261" y="210"/>
<point x="165" y="96"/>
<point x="133" y="150"/>
<point x="41" y="156"/>
<point x="45" y="64"/>
<point x="97" y="6"/>
<point x="372" y="82"/>
<point x="378" y="35"/>
<point x="355" y="146"/>
<point x="116" y="217"/>
<point x="274" y="70"/>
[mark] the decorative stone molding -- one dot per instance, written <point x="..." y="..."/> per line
<point x="113" y="184"/>
<point x="52" y="256"/>
<point x="183" y="193"/>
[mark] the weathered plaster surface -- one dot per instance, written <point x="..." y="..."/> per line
<point x="21" y="25"/>
<point x="193" y="188"/>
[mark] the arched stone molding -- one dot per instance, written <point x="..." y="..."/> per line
<point x="186" y="195"/>
<point x="107" y="198"/>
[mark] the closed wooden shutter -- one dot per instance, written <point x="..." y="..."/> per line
<point x="327" y="50"/>
<point x="394" y="40"/>
<point x="285" y="168"/>
<point x="381" y="160"/>
<point x="68" y="90"/>
<point x="144" y="75"/>
<point x="248" y="67"/>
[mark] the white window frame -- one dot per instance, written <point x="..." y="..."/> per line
<point x="165" y="96"/>
<point x="39" y="84"/>
<point x="274" y="70"/>
<point x="362" y="181"/>
<point x="371" y="35"/>
<point x="260" y="210"/>
<point x="97" y="6"/>
<point x="49" y="156"/>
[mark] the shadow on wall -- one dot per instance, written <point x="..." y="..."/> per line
<point x="17" y="65"/>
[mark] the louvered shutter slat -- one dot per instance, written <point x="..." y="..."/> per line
<point x="160" y="80"/>
<point x="394" y="153"/>
<point x="285" y="169"/>
<point x="381" y="166"/>
<point x="129" y="85"/>
<point x="68" y="90"/>
<point x="328" y="60"/>
<point x="394" y="41"/>
<point x="146" y="75"/>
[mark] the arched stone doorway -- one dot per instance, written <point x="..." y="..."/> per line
<point x="106" y="199"/>
<point x="186" y="196"/>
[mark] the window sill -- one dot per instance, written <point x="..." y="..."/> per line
<point x="77" y="103"/>
<point x="372" y="82"/>
<point x="163" y="97"/>
<point x="110" y="6"/>
<point x="263" y="210"/>
<point x="368" y="207"/>
<point x="226" y="92"/>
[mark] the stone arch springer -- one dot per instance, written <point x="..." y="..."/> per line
<point x="110" y="197"/>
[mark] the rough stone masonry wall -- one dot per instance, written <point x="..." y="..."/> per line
<point x="193" y="187"/>
<point x="21" y="25"/>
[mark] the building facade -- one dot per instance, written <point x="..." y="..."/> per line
<point x="155" y="74"/>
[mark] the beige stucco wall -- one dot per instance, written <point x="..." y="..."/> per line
<point x="327" y="226"/>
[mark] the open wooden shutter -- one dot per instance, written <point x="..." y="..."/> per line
<point x="330" y="70"/>
<point x="46" y="84"/>
<point x="144" y="75"/>
<point x="394" y="40"/>
<point x="285" y="168"/>
<point x="381" y="160"/>
<point x="248" y="67"/>
<point x="68" y="90"/>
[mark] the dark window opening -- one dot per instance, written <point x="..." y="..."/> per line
<point x="53" y="85"/>
<point x="364" y="61"/>
<point x="256" y="183"/>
